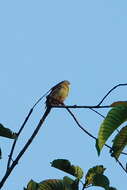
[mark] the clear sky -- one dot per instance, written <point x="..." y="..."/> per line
<point x="41" y="44"/>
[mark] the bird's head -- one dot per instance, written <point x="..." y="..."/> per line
<point x="66" y="82"/>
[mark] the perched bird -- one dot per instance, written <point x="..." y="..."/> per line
<point x="58" y="94"/>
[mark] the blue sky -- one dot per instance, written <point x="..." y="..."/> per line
<point x="41" y="44"/>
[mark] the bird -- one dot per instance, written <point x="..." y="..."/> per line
<point x="58" y="94"/>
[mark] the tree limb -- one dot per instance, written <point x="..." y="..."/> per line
<point x="22" y="127"/>
<point x="15" y="162"/>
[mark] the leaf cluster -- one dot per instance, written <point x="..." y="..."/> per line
<point x="94" y="177"/>
<point x="115" y="117"/>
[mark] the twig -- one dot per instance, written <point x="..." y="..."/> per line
<point x="75" y="106"/>
<point x="80" y="126"/>
<point x="92" y="135"/>
<point x="125" y="84"/>
<point x="84" y="130"/>
<point x="97" y="113"/>
<point x="24" y="123"/>
<point x="121" y="165"/>
<point x="14" y="143"/>
<point x="15" y="162"/>
<point x="101" y="116"/>
<point x="21" y="128"/>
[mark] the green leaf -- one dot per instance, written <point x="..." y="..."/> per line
<point x="52" y="184"/>
<point x="32" y="185"/>
<point x="5" y="132"/>
<point x="101" y="180"/>
<point x="70" y="183"/>
<point x="58" y="184"/>
<point x="66" y="166"/>
<point x="119" y="142"/>
<point x="115" y="117"/>
<point x="67" y="180"/>
<point x="114" y="104"/>
<point x="92" y="172"/>
<point x="76" y="171"/>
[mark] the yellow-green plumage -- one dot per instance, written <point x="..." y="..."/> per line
<point x="58" y="94"/>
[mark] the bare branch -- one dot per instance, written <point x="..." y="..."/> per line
<point x="97" y="113"/>
<point x="79" y="125"/>
<point x="93" y="136"/>
<point x="21" y="128"/>
<point x="101" y="116"/>
<point x="15" y="162"/>
<point x="121" y="165"/>
<point x="75" y="106"/>
<point x="84" y="130"/>
<point x="124" y="84"/>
